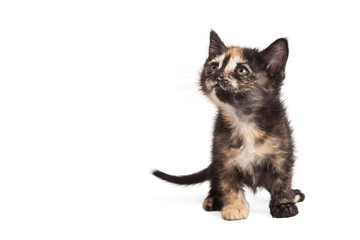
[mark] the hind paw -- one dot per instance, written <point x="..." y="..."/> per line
<point x="299" y="196"/>
<point x="211" y="204"/>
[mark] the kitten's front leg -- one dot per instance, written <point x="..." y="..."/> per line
<point x="282" y="202"/>
<point x="235" y="205"/>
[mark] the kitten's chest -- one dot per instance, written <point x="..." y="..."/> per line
<point x="254" y="147"/>
<point x="246" y="156"/>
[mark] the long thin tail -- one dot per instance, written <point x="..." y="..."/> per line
<point x="194" y="178"/>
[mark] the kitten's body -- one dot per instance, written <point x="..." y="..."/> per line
<point x="252" y="144"/>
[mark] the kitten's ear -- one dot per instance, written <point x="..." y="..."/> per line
<point x="216" y="45"/>
<point x="276" y="56"/>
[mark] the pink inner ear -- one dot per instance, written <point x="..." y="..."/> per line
<point x="276" y="55"/>
<point x="277" y="61"/>
<point x="274" y="66"/>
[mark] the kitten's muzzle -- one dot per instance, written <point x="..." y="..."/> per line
<point x="217" y="81"/>
<point x="219" y="77"/>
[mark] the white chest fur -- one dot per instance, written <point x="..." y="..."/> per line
<point x="250" y="153"/>
<point x="246" y="156"/>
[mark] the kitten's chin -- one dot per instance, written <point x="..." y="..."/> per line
<point x="215" y="96"/>
<point x="216" y="87"/>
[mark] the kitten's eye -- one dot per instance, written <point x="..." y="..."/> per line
<point x="242" y="71"/>
<point x="214" y="67"/>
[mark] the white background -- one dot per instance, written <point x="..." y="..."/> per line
<point x="96" y="94"/>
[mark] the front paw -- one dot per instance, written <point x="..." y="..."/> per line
<point x="284" y="210"/>
<point x="234" y="212"/>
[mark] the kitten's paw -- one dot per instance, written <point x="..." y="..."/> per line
<point x="234" y="212"/>
<point x="284" y="210"/>
<point x="211" y="204"/>
<point x="208" y="204"/>
<point x="299" y="196"/>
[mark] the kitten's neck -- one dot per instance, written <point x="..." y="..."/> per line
<point x="243" y="127"/>
<point x="260" y="117"/>
<point x="233" y="116"/>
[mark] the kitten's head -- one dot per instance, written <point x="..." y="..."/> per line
<point x="241" y="77"/>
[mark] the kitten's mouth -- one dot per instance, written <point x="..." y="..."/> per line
<point x="216" y="86"/>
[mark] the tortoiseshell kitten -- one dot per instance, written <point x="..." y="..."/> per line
<point x="252" y="143"/>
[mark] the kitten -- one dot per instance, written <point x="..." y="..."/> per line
<point x="252" y="142"/>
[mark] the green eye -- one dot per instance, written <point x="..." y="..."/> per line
<point x="242" y="71"/>
<point x="214" y="67"/>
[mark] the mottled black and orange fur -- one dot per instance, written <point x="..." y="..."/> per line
<point x="252" y="143"/>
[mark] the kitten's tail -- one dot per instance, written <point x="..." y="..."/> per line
<point x="194" y="178"/>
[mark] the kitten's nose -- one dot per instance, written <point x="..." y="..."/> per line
<point x="219" y="77"/>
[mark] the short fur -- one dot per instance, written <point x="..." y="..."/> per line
<point x="252" y="143"/>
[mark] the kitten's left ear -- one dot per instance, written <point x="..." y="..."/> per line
<point x="216" y="45"/>
<point x="276" y="56"/>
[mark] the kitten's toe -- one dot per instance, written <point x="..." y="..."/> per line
<point x="211" y="204"/>
<point x="299" y="196"/>
<point x="233" y="212"/>
<point x="284" y="210"/>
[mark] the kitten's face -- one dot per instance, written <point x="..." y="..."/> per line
<point x="241" y="77"/>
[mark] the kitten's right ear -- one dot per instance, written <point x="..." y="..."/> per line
<point x="216" y="45"/>
<point x="276" y="56"/>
